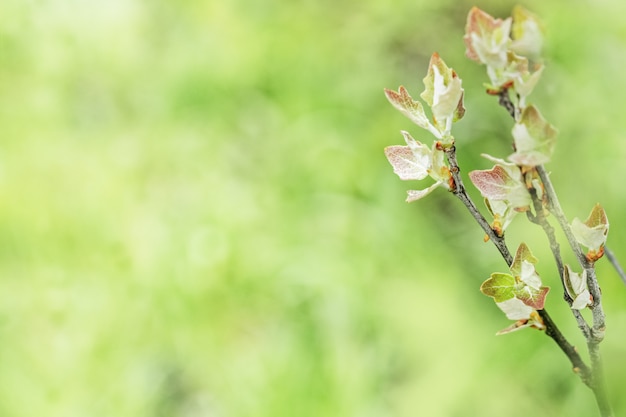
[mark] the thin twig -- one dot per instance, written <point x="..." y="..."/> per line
<point x="579" y="366"/>
<point x="597" y="331"/>
<point x="459" y="191"/>
<point x="554" y="206"/>
<point x="613" y="260"/>
<point x="540" y="219"/>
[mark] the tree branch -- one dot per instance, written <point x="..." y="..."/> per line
<point x="459" y="191"/>
<point x="540" y="219"/>
<point x="554" y="206"/>
<point x="579" y="366"/>
<point x="594" y="377"/>
<point x="618" y="268"/>
<point x="552" y="329"/>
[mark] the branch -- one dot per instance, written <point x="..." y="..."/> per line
<point x="540" y="219"/>
<point x="618" y="268"/>
<point x="579" y="366"/>
<point x="593" y="378"/>
<point x="459" y="191"/>
<point x="554" y="206"/>
<point x="597" y="331"/>
<point x="552" y="329"/>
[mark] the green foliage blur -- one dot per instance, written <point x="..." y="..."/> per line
<point x="197" y="218"/>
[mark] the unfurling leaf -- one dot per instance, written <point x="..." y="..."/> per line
<point x="532" y="297"/>
<point x="534" y="139"/>
<point x="517" y="72"/>
<point x="412" y="109"/>
<point x="504" y="191"/>
<point x="527" y="33"/>
<point x="487" y="39"/>
<point x="410" y="162"/>
<point x="519" y="294"/>
<point x="443" y="93"/>
<point x="515" y="309"/>
<point x="593" y="232"/>
<point x="497" y="184"/>
<point x="534" y="321"/>
<point x="502" y="214"/>
<point x="576" y="287"/>
<point x="499" y="287"/>
<point x="415" y="162"/>
<point x="414" y="195"/>
<point x="523" y="254"/>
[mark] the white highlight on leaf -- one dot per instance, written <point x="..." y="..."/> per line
<point x="445" y="99"/>
<point x="529" y="275"/>
<point x="515" y="309"/>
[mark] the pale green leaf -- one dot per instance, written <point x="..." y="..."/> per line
<point x="522" y="254"/>
<point x="414" y="195"/>
<point x="443" y="92"/>
<point x="593" y="232"/>
<point x="439" y="171"/>
<point x="412" y="109"/>
<point x="499" y="286"/>
<point x="534" y="139"/>
<point x="487" y="39"/>
<point x="576" y="287"/>
<point x="527" y="33"/>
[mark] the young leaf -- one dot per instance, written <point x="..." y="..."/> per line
<point x="527" y="33"/>
<point x="532" y="297"/>
<point x="414" y="195"/>
<point x="499" y="287"/>
<point x="518" y="325"/>
<point x="522" y="255"/>
<point x="534" y="320"/>
<point x="410" y="162"/>
<point x="576" y="287"/>
<point x="439" y="170"/>
<point x="534" y="139"/>
<point x="517" y="71"/>
<point x="497" y="184"/>
<point x="512" y="169"/>
<point x="593" y="232"/>
<point x="528" y="288"/>
<point x="521" y="294"/>
<point x="502" y="214"/>
<point x="415" y="162"/>
<point x="529" y="275"/>
<point x="487" y="39"/>
<point x="412" y="109"/>
<point x="515" y="309"/>
<point x="443" y="93"/>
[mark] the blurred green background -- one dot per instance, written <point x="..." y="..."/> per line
<point x="197" y="218"/>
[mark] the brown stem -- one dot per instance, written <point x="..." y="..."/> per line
<point x="459" y="191"/>
<point x="579" y="366"/>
